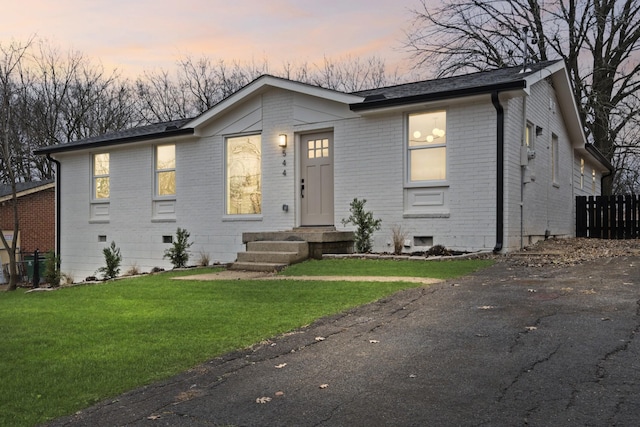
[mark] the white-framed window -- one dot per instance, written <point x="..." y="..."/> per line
<point x="100" y="177"/>
<point x="427" y="146"/>
<point x="555" y="159"/>
<point x="593" y="182"/>
<point x="243" y="175"/>
<point x="529" y="137"/>
<point x="165" y="170"/>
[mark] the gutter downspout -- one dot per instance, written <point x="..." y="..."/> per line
<point x="500" y="171"/>
<point x="523" y="167"/>
<point x="58" y="208"/>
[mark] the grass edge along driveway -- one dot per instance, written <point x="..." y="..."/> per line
<point x="65" y="350"/>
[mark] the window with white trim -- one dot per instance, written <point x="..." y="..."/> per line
<point x="555" y="163"/>
<point x="529" y="137"/>
<point x="244" y="175"/>
<point x="100" y="180"/>
<point x="426" y="147"/>
<point x="165" y="170"/>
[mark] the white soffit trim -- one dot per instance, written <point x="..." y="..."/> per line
<point x="261" y="84"/>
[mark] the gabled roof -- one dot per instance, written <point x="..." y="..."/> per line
<point x="24" y="188"/>
<point x="502" y="79"/>
<point x="267" y="81"/>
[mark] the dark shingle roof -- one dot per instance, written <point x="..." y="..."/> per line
<point x="158" y="130"/>
<point x="428" y="90"/>
<point x="5" y="189"/>
<point x="450" y="87"/>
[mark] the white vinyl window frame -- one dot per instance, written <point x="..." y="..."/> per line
<point x="530" y="136"/>
<point x="164" y="165"/>
<point x="100" y="177"/>
<point x="555" y="160"/>
<point x="426" y="148"/>
<point x="243" y="176"/>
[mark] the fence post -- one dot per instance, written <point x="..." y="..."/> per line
<point x="581" y="216"/>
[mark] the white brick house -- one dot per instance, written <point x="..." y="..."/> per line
<point x="487" y="161"/>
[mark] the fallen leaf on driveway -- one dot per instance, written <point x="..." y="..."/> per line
<point x="324" y="385"/>
<point x="153" y="417"/>
<point x="531" y="328"/>
<point x="320" y="338"/>
<point x="264" y="399"/>
<point x="280" y="366"/>
<point x="279" y="393"/>
<point x="374" y="341"/>
<point x="486" y="307"/>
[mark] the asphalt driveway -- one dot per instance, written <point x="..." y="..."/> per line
<point x="507" y="346"/>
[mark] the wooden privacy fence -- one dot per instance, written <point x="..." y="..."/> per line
<point x="608" y="217"/>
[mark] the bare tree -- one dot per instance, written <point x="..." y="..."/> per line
<point x="10" y="63"/>
<point x="201" y="83"/>
<point x="598" y="40"/>
<point x="64" y="97"/>
<point x="352" y="74"/>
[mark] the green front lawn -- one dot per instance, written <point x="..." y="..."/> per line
<point x="64" y="350"/>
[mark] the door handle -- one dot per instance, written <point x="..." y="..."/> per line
<point x="302" y="190"/>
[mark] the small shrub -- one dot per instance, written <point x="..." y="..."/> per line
<point x="52" y="269"/>
<point x="112" y="258"/>
<point x="204" y="260"/>
<point x="365" y="225"/>
<point x="398" y="235"/>
<point x="178" y="253"/>
<point x="134" y="270"/>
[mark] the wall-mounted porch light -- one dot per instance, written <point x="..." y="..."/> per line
<point x="282" y="140"/>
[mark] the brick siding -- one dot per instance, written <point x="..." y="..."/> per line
<point x="36" y="212"/>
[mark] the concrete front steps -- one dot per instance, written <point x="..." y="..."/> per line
<point x="270" y="255"/>
<point x="273" y="251"/>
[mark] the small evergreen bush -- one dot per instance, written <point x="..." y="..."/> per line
<point x="52" y="273"/>
<point x="365" y="225"/>
<point x="112" y="258"/>
<point x="179" y="252"/>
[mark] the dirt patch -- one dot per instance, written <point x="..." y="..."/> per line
<point x="571" y="251"/>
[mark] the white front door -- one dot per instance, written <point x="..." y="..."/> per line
<point x="316" y="179"/>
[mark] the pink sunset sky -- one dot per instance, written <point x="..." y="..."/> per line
<point x="138" y="35"/>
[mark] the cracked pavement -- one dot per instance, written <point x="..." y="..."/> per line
<point x="510" y="345"/>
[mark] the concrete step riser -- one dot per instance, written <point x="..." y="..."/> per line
<point x="301" y="248"/>
<point x="273" y="257"/>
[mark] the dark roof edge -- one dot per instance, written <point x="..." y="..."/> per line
<point x="593" y="150"/>
<point x="437" y="96"/>
<point x="109" y="142"/>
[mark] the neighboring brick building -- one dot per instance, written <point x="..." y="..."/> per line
<point x="36" y="212"/>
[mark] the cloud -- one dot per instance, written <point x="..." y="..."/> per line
<point x="146" y="34"/>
